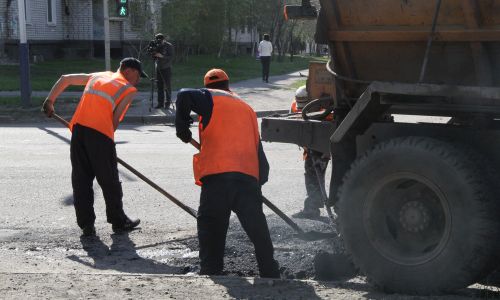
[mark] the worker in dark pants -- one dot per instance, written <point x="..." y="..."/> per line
<point x="164" y="59"/>
<point x="313" y="160"/>
<point x="313" y="201"/>
<point x="230" y="167"/>
<point x="103" y="105"/>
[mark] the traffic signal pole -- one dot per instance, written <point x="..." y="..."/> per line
<point x="107" y="57"/>
<point x="24" y="57"/>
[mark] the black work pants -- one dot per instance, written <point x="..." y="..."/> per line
<point x="314" y="199"/>
<point x="93" y="155"/>
<point x="265" y="61"/>
<point x="221" y="194"/>
<point x="164" y="77"/>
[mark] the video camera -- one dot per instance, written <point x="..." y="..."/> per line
<point x="155" y="46"/>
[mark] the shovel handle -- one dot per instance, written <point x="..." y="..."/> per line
<point x="60" y="119"/>
<point x="267" y="203"/>
<point x="186" y="208"/>
<point x="195" y="143"/>
<point x="282" y="215"/>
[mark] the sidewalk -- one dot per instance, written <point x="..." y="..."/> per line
<point x="265" y="98"/>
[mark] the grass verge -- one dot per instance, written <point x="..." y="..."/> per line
<point x="185" y="74"/>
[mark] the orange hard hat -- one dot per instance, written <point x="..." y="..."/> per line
<point x="215" y="75"/>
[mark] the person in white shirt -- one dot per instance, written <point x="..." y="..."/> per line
<point x="265" y="50"/>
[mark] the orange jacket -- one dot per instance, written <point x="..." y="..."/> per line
<point x="103" y="92"/>
<point x="293" y="108"/>
<point x="230" y="142"/>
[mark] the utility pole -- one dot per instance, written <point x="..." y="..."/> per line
<point x="107" y="57"/>
<point x="24" y="57"/>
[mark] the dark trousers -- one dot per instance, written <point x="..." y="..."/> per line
<point x="265" y="61"/>
<point x="221" y="194"/>
<point x="93" y="155"/>
<point x="164" y="85"/>
<point x="314" y="200"/>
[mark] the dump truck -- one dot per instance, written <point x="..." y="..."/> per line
<point x="414" y="87"/>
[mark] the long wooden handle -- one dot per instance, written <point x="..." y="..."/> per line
<point x="195" y="144"/>
<point x="267" y="203"/>
<point x="186" y="208"/>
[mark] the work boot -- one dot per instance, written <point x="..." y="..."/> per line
<point x="312" y="214"/>
<point x="88" y="230"/>
<point x="129" y="225"/>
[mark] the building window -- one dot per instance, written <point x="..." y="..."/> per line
<point x="51" y="12"/>
<point x="27" y="12"/>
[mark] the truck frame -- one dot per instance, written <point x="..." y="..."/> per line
<point x="417" y="202"/>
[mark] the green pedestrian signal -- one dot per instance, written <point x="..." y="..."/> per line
<point x="122" y="8"/>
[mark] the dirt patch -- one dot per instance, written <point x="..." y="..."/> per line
<point x="295" y="256"/>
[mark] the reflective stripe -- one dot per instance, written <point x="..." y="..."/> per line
<point x="91" y="83"/>
<point x="103" y="95"/>
<point x="119" y="93"/>
<point x="224" y="94"/>
<point x="110" y="99"/>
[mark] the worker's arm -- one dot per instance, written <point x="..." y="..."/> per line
<point x="121" y="109"/>
<point x="196" y="100"/>
<point x="64" y="82"/>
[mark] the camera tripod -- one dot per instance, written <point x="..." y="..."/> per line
<point x="154" y="82"/>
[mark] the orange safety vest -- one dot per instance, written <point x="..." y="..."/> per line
<point x="103" y="92"/>
<point x="230" y="142"/>
<point x="294" y="108"/>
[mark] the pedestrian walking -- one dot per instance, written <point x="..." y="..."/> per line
<point x="103" y="105"/>
<point x="231" y="167"/>
<point x="265" y="51"/>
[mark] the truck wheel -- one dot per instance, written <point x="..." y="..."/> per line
<point x="419" y="216"/>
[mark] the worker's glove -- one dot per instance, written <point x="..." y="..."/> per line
<point x="185" y="136"/>
<point x="48" y="107"/>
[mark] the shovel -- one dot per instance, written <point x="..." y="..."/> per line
<point x="186" y="208"/>
<point x="301" y="234"/>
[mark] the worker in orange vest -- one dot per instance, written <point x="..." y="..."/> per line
<point x="231" y="167"/>
<point x="103" y="105"/>
<point x="313" y="201"/>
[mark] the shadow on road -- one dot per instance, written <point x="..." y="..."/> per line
<point x="121" y="256"/>
<point x="262" y="288"/>
<point x="370" y="292"/>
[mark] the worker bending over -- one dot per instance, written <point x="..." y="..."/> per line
<point x="103" y="105"/>
<point x="230" y="167"/>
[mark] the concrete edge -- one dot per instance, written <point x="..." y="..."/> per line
<point x="164" y="119"/>
<point x="132" y="119"/>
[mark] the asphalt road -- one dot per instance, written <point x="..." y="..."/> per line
<point x="43" y="256"/>
<point x="36" y="184"/>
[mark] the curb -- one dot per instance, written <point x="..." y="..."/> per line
<point x="132" y="119"/>
<point x="159" y="119"/>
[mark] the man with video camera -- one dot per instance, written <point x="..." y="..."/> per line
<point x="163" y="52"/>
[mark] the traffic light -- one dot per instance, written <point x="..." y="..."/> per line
<point x="122" y="8"/>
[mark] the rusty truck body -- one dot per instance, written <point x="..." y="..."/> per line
<point x="418" y="202"/>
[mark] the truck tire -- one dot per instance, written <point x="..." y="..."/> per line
<point x="420" y="216"/>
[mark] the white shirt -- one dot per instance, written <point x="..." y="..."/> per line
<point x="265" y="48"/>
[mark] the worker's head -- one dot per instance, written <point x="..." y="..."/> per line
<point x="159" y="37"/>
<point x="301" y="97"/>
<point x="266" y="36"/>
<point x="216" y="79"/>
<point x="131" y="69"/>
